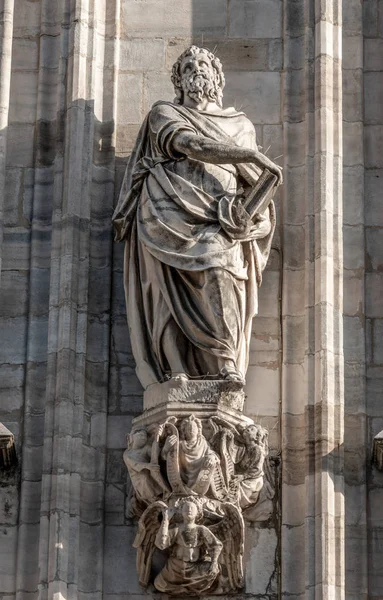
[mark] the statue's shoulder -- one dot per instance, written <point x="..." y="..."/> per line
<point x="162" y="107"/>
<point x="241" y="117"/>
<point x="163" y="111"/>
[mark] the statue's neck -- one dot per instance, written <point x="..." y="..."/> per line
<point x="205" y="105"/>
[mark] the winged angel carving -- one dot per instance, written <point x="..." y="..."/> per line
<point x="202" y="558"/>
<point x="191" y="480"/>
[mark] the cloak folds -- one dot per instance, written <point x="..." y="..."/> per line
<point x="191" y="288"/>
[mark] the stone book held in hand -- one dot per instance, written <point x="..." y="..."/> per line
<point x="261" y="194"/>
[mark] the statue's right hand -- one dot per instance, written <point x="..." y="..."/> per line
<point x="154" y="467"/>
<point x="160" y="430"/>
<point x="277" y="171"/>
<point x="170" y="442"/>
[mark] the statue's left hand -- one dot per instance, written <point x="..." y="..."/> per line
<point x="261" y="227"/>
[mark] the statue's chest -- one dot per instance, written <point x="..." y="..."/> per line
<point x="190" y="538"/>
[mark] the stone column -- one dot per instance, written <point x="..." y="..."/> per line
<point x="312" y="400"/>
<point x="60" y="539"/>
<point x="6" y="30"/>
<point x="356" y="443"/>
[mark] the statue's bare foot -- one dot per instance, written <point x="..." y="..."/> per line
<point x="179" y="377"/>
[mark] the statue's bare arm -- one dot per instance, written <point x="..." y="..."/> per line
<point x="205" y="150"/>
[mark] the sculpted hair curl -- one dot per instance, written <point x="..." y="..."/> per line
<point x="219" y="80"/>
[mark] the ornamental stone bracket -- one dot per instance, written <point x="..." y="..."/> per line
<point x="8" y="456"/>
<point x="377" y="451"/>
<point x="198" y="470"/>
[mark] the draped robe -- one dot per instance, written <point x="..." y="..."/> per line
<point x="191" y="287"/>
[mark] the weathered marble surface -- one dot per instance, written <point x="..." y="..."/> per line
<point x="223" y="393"/>
<point x="208" y="468"/>
<point x="198" y="236"/>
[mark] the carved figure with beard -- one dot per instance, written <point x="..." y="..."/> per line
<point x="191" y="283"/>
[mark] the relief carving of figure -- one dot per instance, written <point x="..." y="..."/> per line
<point x="194" y="550"/>
<point x="141" y="460"/>
<point x="249" y="461"/>
<point x="197" y="215"/>
<point x="192" y="465"/>
<point x="201" y="559"/>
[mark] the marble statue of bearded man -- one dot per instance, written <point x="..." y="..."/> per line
<point x="191" y="277"/>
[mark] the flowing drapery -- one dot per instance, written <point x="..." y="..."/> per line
<point x="191" y="288"/>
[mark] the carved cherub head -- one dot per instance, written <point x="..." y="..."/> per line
<point x="198" y="73"/>
<point x="191" y="509"/>
<point x="190" y="428"/>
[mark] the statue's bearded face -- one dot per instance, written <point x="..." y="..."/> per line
<point x="198" y="78"/>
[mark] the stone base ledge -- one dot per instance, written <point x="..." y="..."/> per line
<point x="159" y="414"/>
<point x="221" y="393"/>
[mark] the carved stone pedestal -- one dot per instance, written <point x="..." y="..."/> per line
<point x="222" y="393"/>
<point x="197" y="467"/>
<point x="202" y="398"/>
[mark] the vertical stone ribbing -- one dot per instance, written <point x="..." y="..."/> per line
<point x="313" y="513"/>
<point x="53" y="49"/>
<point x="6" y="30"/>
<point x="355" y="442"/>
<point x="328" y="304"/>
<point x="59" y="525"/>
<point x="71" y="525"/>
<point x="373" y="218"/>
<point x="9" y="492"/>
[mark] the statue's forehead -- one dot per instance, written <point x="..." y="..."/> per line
<point x="195" y="57"/>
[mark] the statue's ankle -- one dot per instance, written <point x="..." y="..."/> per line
<point x="181" y="376"/>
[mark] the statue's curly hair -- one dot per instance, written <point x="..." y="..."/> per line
<point x="216" y="64"/>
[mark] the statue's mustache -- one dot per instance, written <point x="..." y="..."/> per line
<point x="196" y="77"/>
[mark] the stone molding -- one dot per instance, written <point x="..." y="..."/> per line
<point x="7" y="448"/>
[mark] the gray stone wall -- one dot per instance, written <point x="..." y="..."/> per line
<point x="77" y="78"/>
<point x="373" y="187"/>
